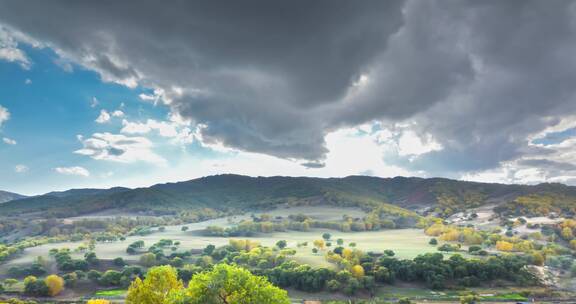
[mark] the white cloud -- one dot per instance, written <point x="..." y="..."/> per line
<point x="27" y="81"/>
<point x="9" y="141"/>
<point x="147" y="97"/>
<point x="104" y="117"/>
<point x="21" y="169"/>
<point x="411" y="144"/>
<point x="173" y="129"/>
<point x="94" y="102"/>
<point x="78" y="171"/>
<point x="10" y="52"/>
<point x="4" y="115"/>
<point x="119" y="148"/>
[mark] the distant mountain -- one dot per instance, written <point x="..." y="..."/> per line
<point x="9" y="196"/>
<point x="236" y="192"/>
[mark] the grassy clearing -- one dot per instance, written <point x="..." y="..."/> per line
<point x="406" y="243"/>
<point x="110" y="293"/>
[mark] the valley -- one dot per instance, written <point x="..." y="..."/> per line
<point x="359" y="238"/>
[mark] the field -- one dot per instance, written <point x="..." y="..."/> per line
<point x="406" y="243"/>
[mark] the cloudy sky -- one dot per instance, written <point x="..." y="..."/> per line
<point x="132" y="93"/>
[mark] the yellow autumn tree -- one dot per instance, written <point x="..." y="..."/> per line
<point x="450" y="235"/>
<point x="55" y="284"/>
<point x="504" y="246"/>
<point x="357" y="271"/>
<point x="524" y="246"/>
<point x="435" y="230"/>
<point x="347" y="253"/>
<point x="538" y="259"/>
<point x="243" y="244"/>
<point x="319" y="244"/>
<point x="98" y="301"/>
<point x="567" y="233"/>
<point x="159" y="282"/>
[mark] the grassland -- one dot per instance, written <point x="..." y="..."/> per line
<point x="407" y="243"/>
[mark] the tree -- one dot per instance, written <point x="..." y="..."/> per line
<point x="119" y="262"/>
<point x="404" y="301"/>
<point x="10" y="282"/>
<point x="70" y="279"/>
<point x="567" y="233"/>
<point x="229" y="284"/>
<point x="94" y="275"/>
<point x="326" y="236"/>
<point x="35" y="287"/>
<point x="148" y="259"/>
<point x="504" y="246"/>
<point x="159" y="282"/>
<point x="469" y="299"/>
<point x="340" y="242"/>
<point x="281" y="244"/>
<point x="55" y="284"/>
<point x="98" y="301"/>
<point x="91" y="258"/>
<point x="319" y="244"/>
<point x="357" y="271"/>
<point x="184" y="228"/>
<point x="111" y="278"/>
<point x="433" y="241"/>
<point x="209" y="249"/>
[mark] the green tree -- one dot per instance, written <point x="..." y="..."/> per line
<point x="148" y="259"/>
<point x="35" y="287"/>
<point x="469" y="299"/>
<point x="10" y="282"/>
<point x="159" y="282"/>
<point x="281" y="244"/>
<point x="227" y="284"/>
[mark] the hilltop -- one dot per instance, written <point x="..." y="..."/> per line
<point x="237" y="192"/>
<point x="9" y="196"/>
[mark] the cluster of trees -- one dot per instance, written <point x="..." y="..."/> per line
<point x="361" y="271"/>
<point x="223" y="284"/>
<point x="541" y="204"/>
<point x="37" y="268"/>
<point x="437" y="272"/>
<point x="135" y="247"/>
<point x="52" y="285"/>
<point x="448" y="233"/>
<point x="65" y="261"/>
<point x="567" y="230"/>
<point x="382" y="217"/>
<point x="452" y="197"/>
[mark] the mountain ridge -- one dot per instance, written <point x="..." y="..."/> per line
<point x="231" y="192"/>
<point x="6" y="196"/>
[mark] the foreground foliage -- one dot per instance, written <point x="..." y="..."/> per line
<point x="225" y="284"/>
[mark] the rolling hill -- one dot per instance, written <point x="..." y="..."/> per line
<point x="9" y="196"/>
<point x="236" y="192"/>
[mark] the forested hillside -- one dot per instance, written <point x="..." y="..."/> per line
<point x="235" y="192"/>
<point x="9" y="196"/>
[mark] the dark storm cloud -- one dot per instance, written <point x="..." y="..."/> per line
<point x="275" y="77"/>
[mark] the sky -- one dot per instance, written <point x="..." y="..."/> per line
<point x="133" y="93"/>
